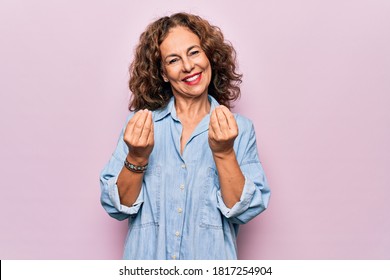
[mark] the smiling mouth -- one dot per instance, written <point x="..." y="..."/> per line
<point x="193" y="79"/>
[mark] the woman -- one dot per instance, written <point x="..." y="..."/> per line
<point x="185" y="172"/>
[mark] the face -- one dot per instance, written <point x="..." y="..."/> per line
<point x="185" y="65"/>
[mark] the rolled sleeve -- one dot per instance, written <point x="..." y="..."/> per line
<point x="242" y="205"/>
<point x="110" y="199"/>
<point x="115" y="200"/>
<point x="256" y="192"/>
<point x="254" y="200"/>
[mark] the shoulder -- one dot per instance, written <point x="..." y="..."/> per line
<point x="245" y="143"/>
<point x="243" y="123"/>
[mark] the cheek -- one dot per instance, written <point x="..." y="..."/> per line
<point x="205" y="61"/>
<point x="207" y="66"/>
<point x="173" y="73"/>
<point x="209" y="71"/>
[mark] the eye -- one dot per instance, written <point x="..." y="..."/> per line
<point x="173" y="60"/>
<point x="194" y="52"/>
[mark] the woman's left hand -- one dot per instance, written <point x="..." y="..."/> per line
<point x="223" y="130"/>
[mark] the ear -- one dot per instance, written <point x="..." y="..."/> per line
<point x="164" y="77"/>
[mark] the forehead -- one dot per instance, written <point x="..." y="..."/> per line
<point x="179" y="39"/>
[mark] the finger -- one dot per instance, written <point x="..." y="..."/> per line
<point x="151" y="134"/>
<point x="214" y="124"/>
<point x="130" y="126"/>
<point x="146" y="127"/>
<point x="211" y="131"/>
<point x="223" y="123"/>
<point x="231" y="121"/>
<point x="139" y="125"/>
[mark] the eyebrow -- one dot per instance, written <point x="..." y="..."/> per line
<point x="188" y="49"/>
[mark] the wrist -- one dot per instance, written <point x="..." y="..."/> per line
<point x="135" y="168"/>
<point x="225" y="155"/>
<point x="140" y="161"/>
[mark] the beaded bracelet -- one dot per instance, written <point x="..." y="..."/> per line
<point x="135" y="168"/>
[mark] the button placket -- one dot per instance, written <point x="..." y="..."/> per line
<point x="177" y="234"/>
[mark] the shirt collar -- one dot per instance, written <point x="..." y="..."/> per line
<point x="170" y="109"/>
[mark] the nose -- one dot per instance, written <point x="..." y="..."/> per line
<point x="188" y="64"/>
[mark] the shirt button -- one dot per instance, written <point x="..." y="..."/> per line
<point x="183" y="166"/>
<point x="182" y="186"/>
<point x="177" y="233"/>
<point x="180" y="210"/>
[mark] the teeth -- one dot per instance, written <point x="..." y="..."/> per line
<point x="193" y="78"/>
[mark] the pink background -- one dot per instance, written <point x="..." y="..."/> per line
<point x="316" y="85"/>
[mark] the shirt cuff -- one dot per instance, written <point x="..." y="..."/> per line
<point x="114" y="197"/>
<point x="240" y="206"/>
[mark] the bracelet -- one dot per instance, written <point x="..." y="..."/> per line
<point x="135" y="168"/>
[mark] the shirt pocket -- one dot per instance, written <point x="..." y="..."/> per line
<point x="149" y="212"/>
<point x="211" y="216"/>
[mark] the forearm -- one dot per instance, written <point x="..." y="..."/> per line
<point x="129" y="183"/>
<point x="231" y="178"/>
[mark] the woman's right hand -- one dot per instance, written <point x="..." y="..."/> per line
<point x="139" y="137"/>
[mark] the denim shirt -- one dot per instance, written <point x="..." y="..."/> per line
<point x="180" y="213"/>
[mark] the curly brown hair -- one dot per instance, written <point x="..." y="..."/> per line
<point x="146" y="82"/>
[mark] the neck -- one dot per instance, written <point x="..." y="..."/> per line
<point x="193" y="108"/>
